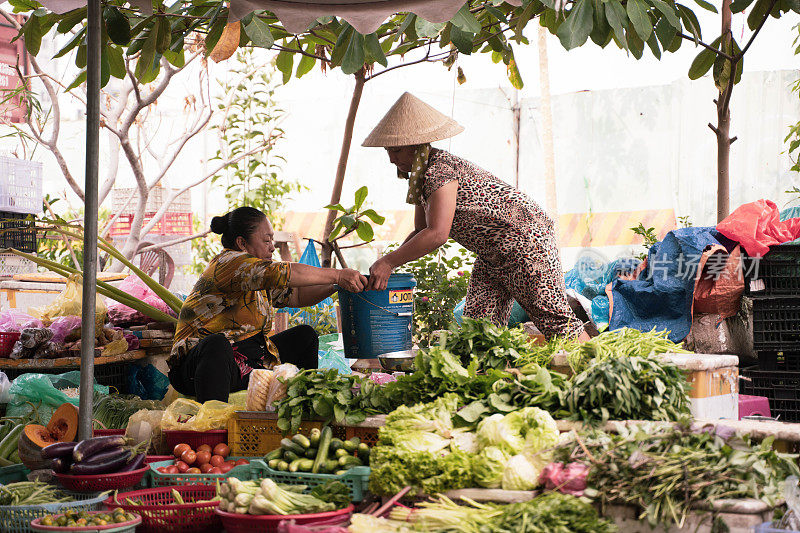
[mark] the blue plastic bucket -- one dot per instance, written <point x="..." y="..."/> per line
<point x="378" y="322"/>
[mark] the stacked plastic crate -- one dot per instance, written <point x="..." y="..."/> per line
<point x="20" y="202"/>
<point x="774" y="285"/>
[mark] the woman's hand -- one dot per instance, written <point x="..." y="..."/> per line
<point x="351" y="280"/>
<point x="379" y="274"/>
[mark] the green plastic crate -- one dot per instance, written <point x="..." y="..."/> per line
<point x="356" y="479"/>
<point x="13" y="473"/>
<point x="17" y="519"/>
<point x="157" y="479"/>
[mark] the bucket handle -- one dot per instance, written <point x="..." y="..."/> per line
<point x="398" y="315"/>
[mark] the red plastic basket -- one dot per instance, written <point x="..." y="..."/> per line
<point x="160" y="513"/>
<point x="7" y="341"/>
<point x="96" y="483"/>
<point x="157" y="458"/>
<point x="196" y="438"/>
<point x="242" y="523"/>
<point x="107" y="432"/>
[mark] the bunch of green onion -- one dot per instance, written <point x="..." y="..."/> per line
<point x="268" y="498"/>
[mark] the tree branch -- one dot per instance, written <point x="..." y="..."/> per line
<point x="707" y="46"/>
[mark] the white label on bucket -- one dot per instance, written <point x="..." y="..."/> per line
<point x="401" y="297"/>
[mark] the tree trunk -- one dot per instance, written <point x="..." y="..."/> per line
<point x="347" y="139"/>
<point x="724" y="123"/>
<point x="551" y="197"/>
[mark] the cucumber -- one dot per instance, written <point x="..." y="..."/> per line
<point x="336" y="444"/>
<point x="305" y="465"/>
<point x="290" y="456"/>
<point x="349" y="460"/>
<point x="314" y="436"/>
<point x="294" y="466"/>
<point x="341" y="452"/>
<point x="322" y="453"/>
<point x="283" y="466"/>
<point x="302" y="440"/>
<point x="290" y="445"/>
<point x="273" y="463"/>
<point x="311" y="453"/>
<point x="363" y="450"/>
<point x="331" y="466"/>
<point x="274" y="454"/>
<point x="352" y="444"/>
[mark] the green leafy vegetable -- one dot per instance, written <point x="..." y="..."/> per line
<point x="621" y="342"/>
<point x="529" y="429"/>
<point x="492" y="346"/>
<point x="489" y="466"/>
<point x="334" y="492"/>
<point x="427" y="473"/>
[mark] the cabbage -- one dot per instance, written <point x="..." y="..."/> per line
<point x="489" y="467"/>
<point x="414" y="441"/>
<point x="463" y="440"/>
<point x="530" y="429"/>
<point x="542" y="431"/>
<point x="522" y="472"/>
<point x="502" y="431"/>
<point x="435" y="416"/>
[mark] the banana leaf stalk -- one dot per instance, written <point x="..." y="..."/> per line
<point x="170" y="299"/>
<point x="103" y="288"/>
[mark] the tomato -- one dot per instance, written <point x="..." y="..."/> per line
<point x="189" y="457"/>
<point x="215" y="470"/>
<point x="180" y="448"/>
<point x="203" y="457"/>
<point x="217" y="460"/>
<point x="162" y="469"/>
<point x="242" y="462"/>
<point x="182" y="467"/>
<point x="194" y="470"/>
<point x="225" y="468"/>
<point x="222" y="449"/>
<point x="205" y="467"/>
<point x="204" y="448"/>
<point x="172" y="469"/>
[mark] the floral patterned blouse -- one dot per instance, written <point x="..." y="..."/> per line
<point x="234" y="296"/>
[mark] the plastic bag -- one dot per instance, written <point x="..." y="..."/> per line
<point x="14" y="320"/>
<point x="277" y="388"/>
<point x="757" y="226"/>
<point x="257" y="388"/>
<point x="63" y="326"/>
<point x="144" y="425"/>
<point x="310" y="258"/>
<point x="68" y="303"/>
<point x="46" y="392"/>
<point x="5" y="385"/>
<point x="123" y="315"/>
<point x="189" y="415"/>
<point x="147" y="382"/>
<point x="334" y="359"/>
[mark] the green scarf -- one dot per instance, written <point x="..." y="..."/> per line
<point x="416" y="178"/>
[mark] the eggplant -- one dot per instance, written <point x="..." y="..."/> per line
<point x="107" y="467"/>
<point x="58" y="464"/>
<point x="134" y="464"/>
<point x="106" y="455"/>
<point x="59" y="449"/>
<point x="95" y="445"/>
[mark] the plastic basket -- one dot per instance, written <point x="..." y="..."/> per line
<point x="774" y="360"/>
<point x="181" y="204"/>
<point x="195" y="438"/>
<point x="157" y="479"/>
<point x="20" y="185"/>
<point x="7" y="341"/>
<point x="356" y="479"/>
<point x="99" y="432"/>
<point x="13" y="473"/>
<point x="17" y="232"/>
<point x="17" y="519"/>
<point x="776" y="273"/>
<point x="116" y="481"/>
<point x="11" y="265"/>
<point x="108" y="374"/>
<point x="781" y="388"/>
<point x="170" y="224"/>
<point x="123" y="527"/>
<point x="160" y="513"/>
<point x="368" y="436"/>
<point x="255" y="436"/>
<point x="242" y="523"/>
<point x="150" y="459"/>
<point x="776" y="324"/>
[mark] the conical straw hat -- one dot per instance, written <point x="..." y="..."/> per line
<point x="411" y="121"/>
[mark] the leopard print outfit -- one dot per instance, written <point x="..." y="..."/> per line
<point x="515" y="242"/>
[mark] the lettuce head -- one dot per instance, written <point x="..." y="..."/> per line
<point x="530" y="429"/>
<point x="522" y="472"/>
<point x="489" y="467"/>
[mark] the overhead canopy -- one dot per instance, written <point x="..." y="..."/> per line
<point x="365" y="16"/>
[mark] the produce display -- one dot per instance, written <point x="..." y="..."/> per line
<point x="113" y="411"/>
<point x="204" y="460"/>
<point x="319" y="453"/>
<point x="11" y="430"/>
<point x="92" y="457"/>
<point x="265" y="497"/>
<point x="33" y="438"/>
<point x="492" y="346"/>
<point x="31" y="493"/>
<point x="72" y="518"/>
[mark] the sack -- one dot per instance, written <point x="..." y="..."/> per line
<point x="121" y="314"/>
<point x="147" y="382"/>
<point x="719" y="284"/>
<point x="188" y="415"/>
<point x="63" y="326"/>
<point x="68" y="303"/>
<point x="46" y="392"/>
<point x="5" y="385"/>
<point x="277" y="388"/>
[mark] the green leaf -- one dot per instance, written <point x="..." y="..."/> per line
<point x="373" y="216"/>
<point x="212" y="38"/>
<point x="341" y="46"/>
<point x="652" y="43"/>
<point x="80" y="57"/>
<point x="635" y="43"/>
<point x="337" y="229"/>
<point x="116" y="63"/>
<point x="76" y="40"/>
<point x="338" y="413"/>
<point x="690" y="21"/>
<point x="118" y="26"/>
<point x="466" y="21"/>
<point x="669" y="13"/>
<point x="177" y="59"/>
<point x="361" y="195"/>
<point x="284" y="62"/>
<point x="259" y="33"/>
<point x="737" y="6"/>
<point x="306" y="62"/>
<point x="513" y="75"/>
<point x="70" y="19"/>
<point x="706" y="5"/>
<point x="32" y="31"/>
<point x="758" y="13"/>
<point x="336" y="207"/>
<point x="665" y="33"/>
<point x="374" y="51"/>
<point x="348" y="221"/>
<point x="617" y="18"/>
<point x="353" y="59"/>
<point x="364" y="231"/>
<point x="77" y="81"/>
<point x="425" y="29"/>
<point x="462" y="40"/>
<point x="164" y="35"/>
<point x="637" y="12"/>
<point x="145" y="62"/>
<point x="601" y="31"/>
<point x="576" y="28"/>
<point x="703" y="62"/>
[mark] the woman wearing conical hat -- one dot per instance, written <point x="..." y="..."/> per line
<point x="513" y="238"/>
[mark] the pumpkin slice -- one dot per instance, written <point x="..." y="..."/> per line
<point x="38" y="436"/>
<point x="63" y="425"/>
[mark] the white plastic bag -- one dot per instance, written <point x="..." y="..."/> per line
<point x="277" y="388"/>
<point x="5" y="385"/>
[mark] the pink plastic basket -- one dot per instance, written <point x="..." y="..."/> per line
<point x="242" y="523"/>
<point x="157" y="458"/>
<point x="107" y="432"/>
<point x="196" y="438"/>
<point x="160" y="513"/>
<point x="97" y="483"/>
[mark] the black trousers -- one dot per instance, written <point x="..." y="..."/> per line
<point x="209" y="371"/>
